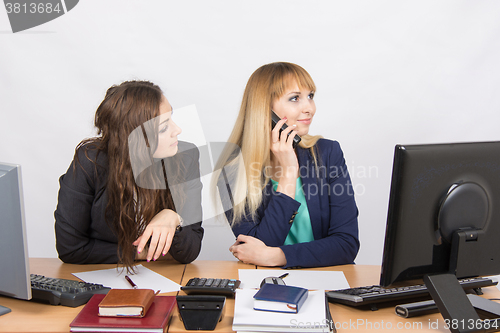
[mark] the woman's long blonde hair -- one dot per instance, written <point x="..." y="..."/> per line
<point x="251" y="133"/>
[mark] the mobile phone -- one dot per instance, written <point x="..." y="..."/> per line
<point x="275" y="119"/>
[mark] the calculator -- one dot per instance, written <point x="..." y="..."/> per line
<point x="211" y="286"/>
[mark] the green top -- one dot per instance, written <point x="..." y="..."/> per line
<point x="301" y="230"/>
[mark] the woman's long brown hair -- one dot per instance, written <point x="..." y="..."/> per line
<point x="130" y="207"/>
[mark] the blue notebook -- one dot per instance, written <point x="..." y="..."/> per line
<point x="279" y="298"/>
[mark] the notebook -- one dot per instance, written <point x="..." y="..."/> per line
<point x="279" y="298"/>
<point x="126" y="302"/>
<point x="155" y="320"/>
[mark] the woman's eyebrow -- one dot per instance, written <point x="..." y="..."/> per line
<point x="165" y="120"/>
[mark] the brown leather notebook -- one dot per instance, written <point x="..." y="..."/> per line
<point x="126" y="303"/>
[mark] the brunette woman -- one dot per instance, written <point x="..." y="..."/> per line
<point x="132" y="192"/>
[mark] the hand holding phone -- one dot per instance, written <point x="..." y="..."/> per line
<point x="275" y="119"/>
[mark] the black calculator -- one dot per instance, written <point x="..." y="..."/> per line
<point x="210" y="286"/>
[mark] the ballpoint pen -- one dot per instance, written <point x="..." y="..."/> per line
<point x="283" y="276"/>
<point x="129" y="280"/>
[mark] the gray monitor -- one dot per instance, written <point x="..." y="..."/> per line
<point x="14" y="259"/>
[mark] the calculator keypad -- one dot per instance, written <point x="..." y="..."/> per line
<point x="211" y="286"/>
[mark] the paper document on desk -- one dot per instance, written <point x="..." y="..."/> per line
<point x="312" y="280"/>
<point x="311" y="317"/>
<point x="495" y="278"/>
<point x="115" y="278"/>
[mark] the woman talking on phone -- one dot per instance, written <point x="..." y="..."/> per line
<point x="123" y="198"/>
<point x="290" y="207"/>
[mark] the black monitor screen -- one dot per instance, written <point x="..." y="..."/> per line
<point x="437" y="189"/>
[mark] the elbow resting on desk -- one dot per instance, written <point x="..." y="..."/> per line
<point x="186" y="245"/>
<point x="185" y="248"/>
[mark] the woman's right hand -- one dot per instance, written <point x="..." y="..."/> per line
<point x="251" y="250"/>
<point x="288" y="165"/>
<point x="161" y="230"/>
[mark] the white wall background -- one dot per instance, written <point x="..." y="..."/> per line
<point x="387" y="72"/>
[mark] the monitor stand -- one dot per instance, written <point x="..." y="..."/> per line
<point x="4" y="310"/>
<point x="459" y="309"/>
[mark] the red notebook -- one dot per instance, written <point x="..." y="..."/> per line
<point x="155" y="320"/>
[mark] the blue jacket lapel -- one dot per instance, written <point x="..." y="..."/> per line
<point x="310" y="185"/>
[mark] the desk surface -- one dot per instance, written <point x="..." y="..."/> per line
<point x="29" y="316"/>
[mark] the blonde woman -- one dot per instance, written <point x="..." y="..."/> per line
<point x="290" y="207"/>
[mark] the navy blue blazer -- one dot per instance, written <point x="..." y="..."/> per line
<point x="332" y="208"/>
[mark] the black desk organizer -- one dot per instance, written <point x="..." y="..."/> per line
<point x="200" y="312"/>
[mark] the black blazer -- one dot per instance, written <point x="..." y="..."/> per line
<point x="83" y="235"/>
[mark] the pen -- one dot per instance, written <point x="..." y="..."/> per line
<point x="283" y="276"/>
<point x="129" y="280"/>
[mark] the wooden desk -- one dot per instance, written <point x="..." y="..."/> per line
<point x="36" y="317"/>
<point x="27" y="316"/>
<point x="350" y="319"/>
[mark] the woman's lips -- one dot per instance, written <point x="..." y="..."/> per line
<point x="305" y="121"/>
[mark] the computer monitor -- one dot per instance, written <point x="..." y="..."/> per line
<point x="444" y="212"/>
<point x="437" y="189"/>
<point x="14" y="259"/>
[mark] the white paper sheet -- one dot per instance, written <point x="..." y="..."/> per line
<point x="115" y="278"/>
<point x="495" y="278"/>
<point x="312" y="280"/>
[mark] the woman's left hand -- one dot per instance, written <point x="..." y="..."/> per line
<point x="251" y="250"/>
<point x="161" y="230"/>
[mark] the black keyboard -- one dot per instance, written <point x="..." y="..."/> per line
<point x="377" y="294"/>
<point x="62" y="291"/>
<point x="210" y="286"/>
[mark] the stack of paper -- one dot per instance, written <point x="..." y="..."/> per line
<point x="312" y="317"/>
